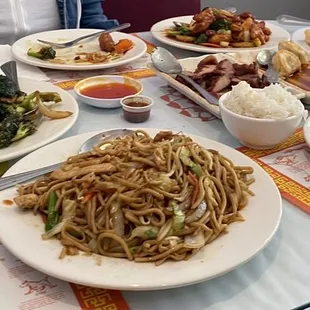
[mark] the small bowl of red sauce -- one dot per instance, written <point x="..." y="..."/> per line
<point x="106" y="91"/>
<point x="137" y="109"/>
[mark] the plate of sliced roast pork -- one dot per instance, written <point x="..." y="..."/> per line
<point x="217" y="73"/>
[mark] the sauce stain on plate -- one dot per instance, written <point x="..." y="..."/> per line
<point x="7" y="202"/>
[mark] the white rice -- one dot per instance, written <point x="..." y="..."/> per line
<point x="272" y="102"/>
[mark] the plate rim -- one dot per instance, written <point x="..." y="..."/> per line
<point x="56" y="66"/>
<point x="174" y="284"/>
<point x="306" y="131"/>
<point x="296" y="33"/>
<point x="49" y="140"/>
<point x="192" y="47"/>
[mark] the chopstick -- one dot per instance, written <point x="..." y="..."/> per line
<point x="303" y="307"/>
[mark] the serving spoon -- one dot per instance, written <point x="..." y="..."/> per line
<point x="9" y="181"/>
<point x="264" y="58"/>
<point x="165" y="62"/>
<point x="292" y="20"/>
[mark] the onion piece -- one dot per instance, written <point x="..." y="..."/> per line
<point x="54" y="231"/>
<point x="46" y="111"/>
<point x="144" y="232"/>
<point x="68" y="212"/>
<point x="199" y="212"/>
<point x="194" y="241"/>
<point x="92" y="244"/>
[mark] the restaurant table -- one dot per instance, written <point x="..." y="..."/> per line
<point x="276" y="278"/>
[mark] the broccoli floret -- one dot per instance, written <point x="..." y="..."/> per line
<point x="7" y="110"/>
<point x="28" y="103"/>
<point x="50" y="96"/>
<point x="44" y="53"/>
<point x="203" y="38"/>
<point x="8" y="88"/>
<point x="8" y="129"/>
<point x="220" y="24"/>
<point x="25" y="129"/>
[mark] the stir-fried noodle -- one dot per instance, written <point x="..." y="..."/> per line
<point x="140" y="198"/>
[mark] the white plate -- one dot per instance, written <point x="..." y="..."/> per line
<point x="157" y="30"/>
<point x="49" y="130"/>
<point x="20" y="48"/>
<point x="245" y="239"/>
<point x="307" y="131"/>
<point x="299" y="38"/>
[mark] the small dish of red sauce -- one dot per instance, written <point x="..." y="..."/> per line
<point x="109" y="90"/>
<point x="106" y="91"/>
<point x="137" y="109"/>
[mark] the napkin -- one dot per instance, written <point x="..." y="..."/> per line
<point x="24" y="70"/>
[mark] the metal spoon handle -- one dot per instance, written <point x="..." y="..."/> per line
<point x="6" y="182"/>
<point x="10" y="70"/>
<point x="70" y="43"/>
<point x="117" y="28"/>
<point x="292" y="20"/>
<point x="210" y="98"/>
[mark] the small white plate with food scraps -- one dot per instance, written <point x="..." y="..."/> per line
<point x="72" y="58"/>
<point x="48" y="130"/>
<point x="242" y="242"/>
<point x="159" y="32"/>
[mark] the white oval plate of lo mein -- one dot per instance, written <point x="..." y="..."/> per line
<point x="20" y="232"/>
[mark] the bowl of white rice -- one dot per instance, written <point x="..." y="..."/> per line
<point x="261" y="118"/>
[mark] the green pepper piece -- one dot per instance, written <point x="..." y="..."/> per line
<point x="52" y="215"/>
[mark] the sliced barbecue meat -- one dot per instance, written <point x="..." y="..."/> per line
<point x="252" y="79"/>
<point x="209" y="60"/>
<point x="225" y="67"/>
<point x="264" y="81"/>
<point x="219" y="83"/>
<point x="203" y="72"/>
<point x="235" y="80"/>
<point x="242" y="69"/>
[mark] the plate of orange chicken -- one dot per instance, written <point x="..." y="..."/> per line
<point x="218" y="31"/>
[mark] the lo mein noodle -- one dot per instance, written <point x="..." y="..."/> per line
<point x="141" y="198"/>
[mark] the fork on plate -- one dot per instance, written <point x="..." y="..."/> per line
<point x="75" y="41"/>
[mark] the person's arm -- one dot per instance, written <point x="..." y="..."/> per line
<point x="91" y="14"/>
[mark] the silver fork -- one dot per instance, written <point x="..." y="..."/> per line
<point x="75" y="41"/>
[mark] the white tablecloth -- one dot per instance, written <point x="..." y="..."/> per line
<point x="277" y="278"/>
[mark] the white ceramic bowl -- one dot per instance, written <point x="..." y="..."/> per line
<point x="307" y="131"/>
<point x="258" y="133"/>
<point x="104" y="79"/>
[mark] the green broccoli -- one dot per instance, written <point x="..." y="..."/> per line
<point x="220" y="24"/>
<point x="203" y="38"/>
<point x="180" y="30"/>
<point x="28" y="103"/>
<point x="8" y="129"/>
<point x="7" y="110"/>
<point x="44" y="53"/>
<point x="25" y="129"/>
<point x="8" y="89"/>
<point x="50" y="96"/>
